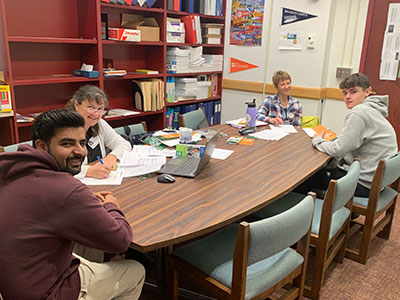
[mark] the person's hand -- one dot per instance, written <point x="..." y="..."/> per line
<point x="99" y="171"/>
<point x="110" y="160"/>
<point x="112" y="199"/>
<point x="102" y="195"/>
<point x="322" y="134"/>
<point x="275" y="121"/>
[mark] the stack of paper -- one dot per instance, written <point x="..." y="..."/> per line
<point x="178" y="60"/>
<point x="213" y="62"/>
<point x="196" y="59"/>
<point x="141" y="160"/>
<point x="186" y="87"/>
<point x="269" y="135"/>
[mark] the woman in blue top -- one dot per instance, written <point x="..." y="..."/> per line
<point x="281" y="108"/>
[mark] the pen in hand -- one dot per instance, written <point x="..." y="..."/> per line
<point x="99" y="158"/>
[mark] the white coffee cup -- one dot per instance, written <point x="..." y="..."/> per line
<point x="185" y="135"/>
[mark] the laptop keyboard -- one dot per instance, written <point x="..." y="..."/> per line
<point x="189" y="166"/>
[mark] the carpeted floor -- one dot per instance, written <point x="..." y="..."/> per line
<point x="379" y="279"/>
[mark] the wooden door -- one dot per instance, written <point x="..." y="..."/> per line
<point x="371" y="59"/>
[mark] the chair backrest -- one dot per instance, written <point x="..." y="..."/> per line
<point x="14" y="147"/>
<point x="346" y="186"/>
<point x="392" y="170"/>
<point x="272" y="235"/>
<point x="195" y="119"/>
<point x="131" y="130"/>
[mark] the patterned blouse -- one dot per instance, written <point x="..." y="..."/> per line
<point x="272" y="108"/>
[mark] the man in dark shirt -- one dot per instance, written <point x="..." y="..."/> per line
<point x="44" y="210"/>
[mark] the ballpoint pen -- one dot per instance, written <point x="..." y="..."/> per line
<point x="99" y="158"/>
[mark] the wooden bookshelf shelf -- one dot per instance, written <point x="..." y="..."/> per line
<point x="52" y="80"/>
<point x="193" y="74"/>
<point x="192" y="101"/>
<point x="33" y="39"/>
<point x="121" y="43"/>
<point x="126" y="8"/>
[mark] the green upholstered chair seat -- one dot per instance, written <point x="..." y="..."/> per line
<point x="338" y="218"/>
<point x="384" y="198"/>
<point x="214" y="256"/>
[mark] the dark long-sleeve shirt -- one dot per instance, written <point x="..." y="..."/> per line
<point x="43" y="211"/>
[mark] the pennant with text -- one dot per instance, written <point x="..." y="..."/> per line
<point x="291" y="16"/>
<point x="240" y="65"/>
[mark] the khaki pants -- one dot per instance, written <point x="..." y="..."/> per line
<point x="119" y="280"/>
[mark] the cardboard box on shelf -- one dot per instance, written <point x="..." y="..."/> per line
<point x="148" y="27"/>
<point x="122" y="34"/>
<point x="212" y="28"/>
<point x="175" y="37"/>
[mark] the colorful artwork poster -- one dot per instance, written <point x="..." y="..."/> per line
<point x="246" y="22"/>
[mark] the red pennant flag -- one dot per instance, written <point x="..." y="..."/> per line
<point x="240" y="65"/>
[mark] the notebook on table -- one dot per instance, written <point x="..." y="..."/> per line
<point x="190" y="166"/>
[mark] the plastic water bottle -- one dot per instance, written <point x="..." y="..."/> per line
<point x="251" y="113"/>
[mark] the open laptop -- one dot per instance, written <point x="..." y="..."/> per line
<point x="190" y="166"/>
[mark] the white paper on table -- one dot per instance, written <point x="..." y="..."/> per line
<point x="169" y="152"/>
<point x="146" y="150"/>
<point x="309" y="131"/>
<point x="115" y="178"/>
<point x="284" y="128"/>
<point x="270" y="135"/>
<point x="170" y="143"/>
<point x="221" y="153"/>
<point x="140" y="170"/>
<point x="132" y="159"/>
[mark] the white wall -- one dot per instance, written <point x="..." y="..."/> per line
<point x="339" y="29"/>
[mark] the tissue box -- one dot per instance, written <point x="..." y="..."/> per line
<point x="88" y="74"/>
<point x="122" y="34"/>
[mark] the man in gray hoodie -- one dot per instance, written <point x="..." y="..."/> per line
<point x="366" y="135"/>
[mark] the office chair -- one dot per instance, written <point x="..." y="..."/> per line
<point x="195" y="119"/>
<point x="330" y="224"/>
<point x="249" y="260"/>
<point x="380" y="205"/>
<point x="128" y="132"/>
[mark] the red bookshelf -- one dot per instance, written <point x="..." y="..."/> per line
<point x="44" y="46"/>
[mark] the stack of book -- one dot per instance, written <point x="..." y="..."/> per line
<point x="192" y="29"/>
<point x="178" y="60"/>
<point x="205" y="7"/>
<point x="110" y="72"/>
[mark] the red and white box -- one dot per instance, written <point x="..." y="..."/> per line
<point x="122" y="34"/>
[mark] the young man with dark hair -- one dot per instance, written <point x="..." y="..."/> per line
<point x="366" y="135"/>
<point x="44" y="210"/>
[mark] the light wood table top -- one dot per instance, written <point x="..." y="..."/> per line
<point x="224" y="192"/>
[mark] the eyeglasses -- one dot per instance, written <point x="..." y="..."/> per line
<point x="92" y="109"/>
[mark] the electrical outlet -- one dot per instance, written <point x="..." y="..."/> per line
<point x="343" y="72"/>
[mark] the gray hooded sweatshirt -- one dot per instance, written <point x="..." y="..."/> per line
<point x="366" y="135"/>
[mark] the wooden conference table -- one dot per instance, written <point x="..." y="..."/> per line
<point x="225" y="191"/>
